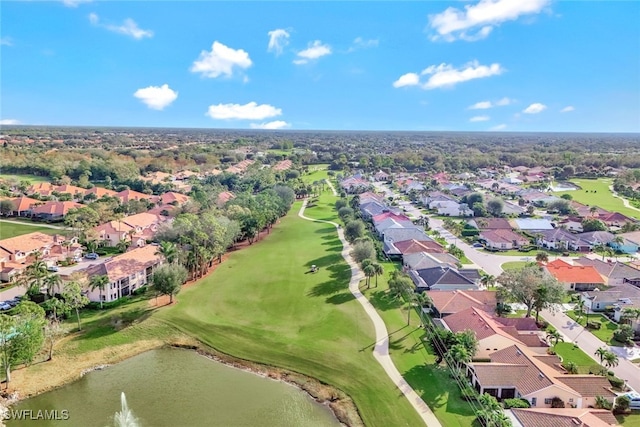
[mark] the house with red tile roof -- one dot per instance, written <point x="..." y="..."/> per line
<point x="18" y="249"/>
<point x="53" y="211"/>
<point x="76" y="192"/>
<point x="127" y="272"/>
<point x="224" y="197"/>
<point x="172" y="198"/>
<point x="445" y="303"/>
<point x="283" y="165"/>
<point x="127" y="195"/>
<point x="412" y="246"/>
<point x="575" y="277"/>
<point x="563" y="417"/>
<point x="490" y="333"/>
<point x="529" y="373"/>
<point x="112" y="232"/>
<point x="41" y="188"/>
<point x="22" y="205"/>
<point x="490" y="223"/>
<point x="100" y="192"/>
<point x="143" y="221"/>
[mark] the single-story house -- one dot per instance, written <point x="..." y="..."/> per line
<point x="595" y="238"/>
<point x="423" y="260"/>
<point x="445" y="278"/>
<point x="529" y="373"/>
<point x="532" y="224"/>
<point x="404" y="234"/>
<point x="614" y="273"/>
<point x="502" y="239"/>
<point x="490" y="223"/>
<point x="561" y="240"/>
<point x="53" y="211"/>
<point x="22" y="206"/>
<point x="626" y="246"/>
<point x="572" y="224"/>
<point x="112" y="232"/>
<point x="492" y="335"/>
<point x="633" y="237"/>
<point x="622" y="296"/>
<point x="575" y="277"/>
<point x="562" y="417"/>
<point x="451" y="208"/>
<point x="445" y="303"/>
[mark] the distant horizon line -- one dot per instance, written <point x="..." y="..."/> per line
<point x="500" y="132"/>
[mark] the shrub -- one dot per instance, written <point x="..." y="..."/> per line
<point x="622" y="404"/>
<point x="556" y="402"/>
<point x="340" y="203"/>
<point x="469" y="393"/>
<point x="594" y="324"/>
<point x="623" y="334"/>
<point x="516" y="403"/>
<point x="616" y="382"/>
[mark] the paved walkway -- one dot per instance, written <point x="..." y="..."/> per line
<point x="589" y="343"/>
<point x="381" y="349"/>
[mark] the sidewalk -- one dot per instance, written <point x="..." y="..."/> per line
<point x="589" y="343"/>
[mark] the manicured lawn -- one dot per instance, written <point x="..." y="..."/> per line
<point x="569" y="353"/>
<point x="512" y="252"/>
<point x="13" y="229"/>
<point x="316" y="173"/>
<point x="263" y="305"/>
<point x="31" y="178"/>
<point x="514" y="265"/>
<point x="601" y="198"/>
<point x="518" y="314"/>
<point x="605" y="333"/>
<point x="631" y="420"/>
<point x="415" y="361"/>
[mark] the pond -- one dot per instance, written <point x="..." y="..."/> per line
<point x="174" y="387"/>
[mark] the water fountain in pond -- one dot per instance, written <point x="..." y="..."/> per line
<point x="125" y="417"/>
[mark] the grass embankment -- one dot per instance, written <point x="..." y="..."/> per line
<point x="12" y="229"/>
<point x="262" y="304"/>
<point x="514" y="265"/>
<point x="31" y="178"/>
<point x="605" y="333"/>
<point x="602" y="197"/>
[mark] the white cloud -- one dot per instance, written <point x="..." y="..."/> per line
<point x="479" y="118"/>
<point x="409" y="79"/>
<point x="74" y="3"/>
<point x="220" y="60"/>
<point x="360" y="43"/>
<point x="477" y="21"/>
<point x="445" y="75"/>
<point x="128" y="27"/>
<point x="6" y="41"/>
<point x="156" y="97"/>
<point x="535" y="108"/>
<point x="499" y="127"/>
<point x="277" y="124"/>
<point x="314" y="50"/>
<point x="482" y="105"/>
<point x="567" y="109"/>
<point x="9" y="122"/>
<point x="278" y="39"/>
<point x="250" y="111"/>
<point x="504" y="101"/>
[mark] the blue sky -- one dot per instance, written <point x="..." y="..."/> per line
<point x="513" y="65"/>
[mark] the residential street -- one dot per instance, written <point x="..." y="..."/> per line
<point x="491" y="264"/>
<point x="573" y="332"/>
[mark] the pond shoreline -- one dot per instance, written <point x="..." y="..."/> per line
<point x="340" y="404"/>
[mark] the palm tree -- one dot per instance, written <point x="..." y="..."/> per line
<point x="379" y="271"/>
<point x="460" y="354"/>
<point x="610" y="359"/>
<point x="99" y="282"/>
<point x="542" y="257"/>
<point x="593" y="210"/>
<point x="618" y="240"/>
<point x="52" y="282"/>
<point x="369" y="271"/>
<point x="554" y="338"/>
<point x="488" y="280"/>
<point x="601" y="353"/>
<point x="169" y="251"/>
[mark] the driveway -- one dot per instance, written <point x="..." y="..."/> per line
<point x="589" y="343"/>
<point x="66" y="271"/>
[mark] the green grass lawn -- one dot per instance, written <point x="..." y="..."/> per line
<point x="632" y="420"/>
<point x="569" y="353"/>
<point x="602" y="197"/>
<point x="605" y="333"/>
<point x="263" y="305"/>
<point x="31" y="178"/>
<point x="416" y="362"/>
<point x="13" y="229"/>
<point x="514" y="265"/>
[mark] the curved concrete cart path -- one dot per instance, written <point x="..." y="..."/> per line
<point x="381" y="349"/>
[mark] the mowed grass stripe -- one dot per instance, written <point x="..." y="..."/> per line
<point x="263" y="305"/>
